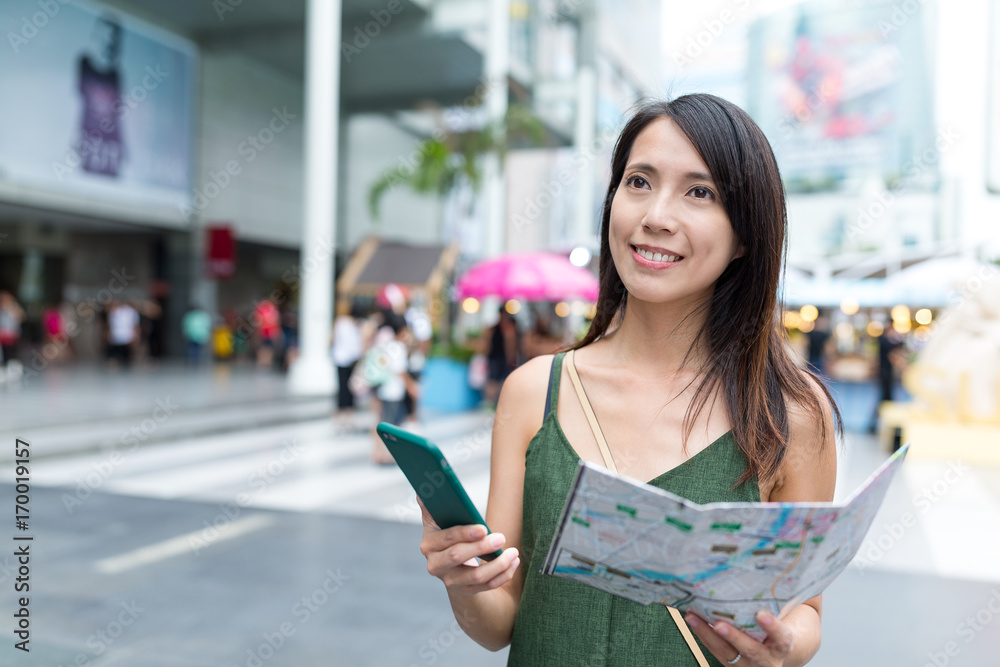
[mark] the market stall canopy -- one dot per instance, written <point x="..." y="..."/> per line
<point x="528" y="276"/>
<point x="377" y="263"/>
<point x="830" y="293"/>
<point x="931" y="283"/>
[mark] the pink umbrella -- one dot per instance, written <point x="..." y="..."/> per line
<point x="531" y="276"/>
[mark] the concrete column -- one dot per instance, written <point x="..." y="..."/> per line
<point x="497" y="64"/>
<point x="585" y="130"/>
<point x="312" y="373"/>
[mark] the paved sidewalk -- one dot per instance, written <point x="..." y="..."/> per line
<point x="90" y="393"/>
<point x="86" y="408"/>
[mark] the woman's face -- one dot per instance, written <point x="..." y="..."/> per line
<point x="670" y="236"/>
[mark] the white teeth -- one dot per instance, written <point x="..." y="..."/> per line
<point x="657" y="257"/>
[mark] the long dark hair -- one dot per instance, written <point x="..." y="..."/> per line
<point x="747" y="355"/>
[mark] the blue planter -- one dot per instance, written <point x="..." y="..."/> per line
<point x="444" y="386"/>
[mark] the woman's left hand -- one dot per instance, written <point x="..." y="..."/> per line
<point x="734" y="647"/>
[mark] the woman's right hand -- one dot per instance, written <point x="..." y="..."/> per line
<point x="451" y="556"/>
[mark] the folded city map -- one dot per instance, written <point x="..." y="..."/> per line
<point x="723" y="561"/>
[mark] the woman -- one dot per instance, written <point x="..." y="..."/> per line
<point x="502" y="355"/>
<point x="686" y="371"/>
<point x="346" y="351"/>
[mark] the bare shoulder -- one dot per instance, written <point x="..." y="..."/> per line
<point x="519" y="416"/>
<point x="809" y="469"/>
<point x="802" y="418"/>
<point x="522" y="400"/>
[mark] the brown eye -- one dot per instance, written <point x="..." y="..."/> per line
<point x="701" y="193"/>
<point x="637" y="182"/>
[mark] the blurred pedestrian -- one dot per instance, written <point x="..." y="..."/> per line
<point x="421" y="332"/>
<point x="68" y="315"/>
<point x="150" y="312"/>
<point x="502" y="354"/>
<point x="396" y="383"/>
<point x="540" y="340"/>
<point x="52" y="324"/>
<point x="196" y="326"/>
<point x="159" y="293"/>
<point x="56" y="341"/>
<point x="268" y="324"/>
<point x="223" y="342"/>
<point x="11" y="318"/>
<point x="819" y="339"/>
<point x="392" y="297"/>
<point x="346" y="351"/>
<point x="289" y="338"/>
<point x="890" y="362"/>
<point x="123" y="332"/>
<point x="239" y="335"/>
<point x="374" y="370"/>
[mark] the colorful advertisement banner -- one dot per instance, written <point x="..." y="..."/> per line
<point x="844" y="92"/>
<point x="96" y="105"/>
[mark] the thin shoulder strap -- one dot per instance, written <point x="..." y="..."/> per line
<point x="588" y="409"/>
<point x="553" y="380"/>
<point x="688" y="637"/>
<point x="609" y="461"/>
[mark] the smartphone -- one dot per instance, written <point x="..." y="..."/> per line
<point x="432" y="478"/>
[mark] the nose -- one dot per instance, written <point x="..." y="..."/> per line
<point x="659" y="216"/>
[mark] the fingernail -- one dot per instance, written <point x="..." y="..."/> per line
<point x="513" y="553"/>
<point x="721" y="628"/>
<point x="496" y="539"/>
<point x="477" y="532"/>
<point x="692" y="620"/>
<point x="764" y="618"/>
<point x="517" y="561"/>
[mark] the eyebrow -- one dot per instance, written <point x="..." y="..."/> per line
<point x="690" y="176"/>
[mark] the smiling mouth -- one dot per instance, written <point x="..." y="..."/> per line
<point x="655" y="256"/>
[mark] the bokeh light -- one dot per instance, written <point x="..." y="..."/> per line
<point x="900" y="313"/>
<point x="579" y="256"/>
<point x="470" y="305"/>
<point x="791" y="319"/>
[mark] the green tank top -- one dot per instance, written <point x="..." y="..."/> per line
<point x="564" y="623"/>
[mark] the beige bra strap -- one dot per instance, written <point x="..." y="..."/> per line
<point x="609" y="461"/>
<point x="688" y="637"/>
<point x="602" y="444"/>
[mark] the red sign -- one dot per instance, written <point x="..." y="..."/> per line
<point x="220" y="255"/>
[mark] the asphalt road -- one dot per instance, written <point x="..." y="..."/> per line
<point x="285" y="546"/>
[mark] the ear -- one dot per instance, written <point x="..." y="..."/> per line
<point x="740" y="251"/>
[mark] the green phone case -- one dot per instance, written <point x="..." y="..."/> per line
<point x="432" y="478"/>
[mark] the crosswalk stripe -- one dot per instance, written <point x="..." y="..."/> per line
<point x="176" y="546"/>
<point x="325" y="472"/>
